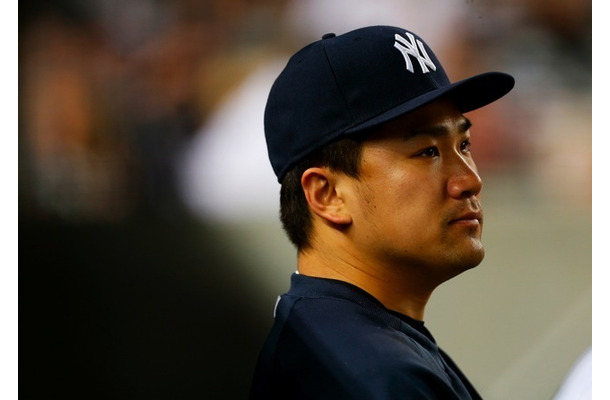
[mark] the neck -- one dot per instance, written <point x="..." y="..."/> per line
<point x="398" y="288"/>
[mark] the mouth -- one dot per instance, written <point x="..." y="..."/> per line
<point x="473" y="218"/>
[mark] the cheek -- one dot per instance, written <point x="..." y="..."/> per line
<point x="408" y="191"/>
<point x="400" y="200"/>
<point x="398" y="194"/>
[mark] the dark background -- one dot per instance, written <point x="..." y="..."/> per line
<point x="103" y="315"/>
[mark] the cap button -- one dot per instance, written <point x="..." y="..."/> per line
<point x="328" y="36"/>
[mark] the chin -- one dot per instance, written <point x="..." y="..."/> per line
<point x="474" y="252"/>
<point x="463" y="261"/>
<point x="474" y="262"/>
<point x="459" y="267"/>
<point x="473" y="259"/>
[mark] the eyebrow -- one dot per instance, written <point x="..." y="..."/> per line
<point x="463" y="125"/>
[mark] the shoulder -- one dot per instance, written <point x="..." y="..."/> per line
<point x="355" y="336"/>
<point x="335" y="316"/>
<point x="338" y="346"/>
<point x="331" y="340"/>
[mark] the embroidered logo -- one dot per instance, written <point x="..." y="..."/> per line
<point x="413" y="47"/>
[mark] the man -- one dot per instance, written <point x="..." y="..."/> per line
<point x="380" y="195"/>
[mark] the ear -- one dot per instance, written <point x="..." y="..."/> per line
<point x="323" y="195"/>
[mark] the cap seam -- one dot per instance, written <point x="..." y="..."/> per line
<point x="339" y="87"/>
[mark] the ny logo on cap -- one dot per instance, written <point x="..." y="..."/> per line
<point x="409" y="47"/>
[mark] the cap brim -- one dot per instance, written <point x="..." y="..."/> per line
<point x="468" y="95"/>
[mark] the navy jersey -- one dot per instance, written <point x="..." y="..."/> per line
<point x="332" y="340"/>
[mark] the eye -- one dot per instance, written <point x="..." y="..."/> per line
<point x="429" y="152"/>
<point x="465" y="146"/>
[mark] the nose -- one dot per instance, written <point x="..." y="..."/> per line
<point x="464" y="180"/>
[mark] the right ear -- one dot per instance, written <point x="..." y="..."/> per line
<point x="324" y="196"/>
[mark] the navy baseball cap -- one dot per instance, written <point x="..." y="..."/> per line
<point x="341" y="85"/>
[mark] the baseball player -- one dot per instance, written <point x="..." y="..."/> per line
<point x="380" y="195"/>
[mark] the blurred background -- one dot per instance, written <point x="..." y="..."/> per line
<point x="150" y="251"/>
